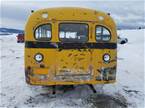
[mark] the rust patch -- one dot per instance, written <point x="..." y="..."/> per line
<point x="42" y="66"/>
<point x="69" y="54"/>
<point x="62" y="60"/>
<point x="107" y="74"/>
<point x="85" y="13"/>
<point x="114" y="60"/>
<point x="81" y="68"/>
<point x="27" y="75"/>
<point x="64" y="67"/>
<point x="99" y="62"/>
<point x="29" y="71"/>
<point x="76" y="55"/>
<point x="74" y="64"/>
<point x="90" y="68"/>
<point x="82" y="54"/>
<point x="79" y="59"/>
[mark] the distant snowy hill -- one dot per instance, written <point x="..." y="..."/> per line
<point x="8" y="31"/>
<point x="128" y="27"/>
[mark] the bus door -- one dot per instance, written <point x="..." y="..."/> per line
<point x="73" y="55"/>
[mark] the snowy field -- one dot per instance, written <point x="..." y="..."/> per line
<point x="128" y="91"/>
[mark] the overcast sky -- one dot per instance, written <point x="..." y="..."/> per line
<point x="14" y="13"/>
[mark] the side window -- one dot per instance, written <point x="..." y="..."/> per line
<point x="102" y="34"/>
<point x="43" y="32"/>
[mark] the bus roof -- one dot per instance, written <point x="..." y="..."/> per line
<point x="70" y="14"/>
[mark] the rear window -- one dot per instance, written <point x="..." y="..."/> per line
<point x="102" y="33"/>
<point x="43" y="32"/>
<point x="73" y="32"/>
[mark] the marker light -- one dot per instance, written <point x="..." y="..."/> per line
<point x="101" y="18"/>
<point x="44" y="15"/>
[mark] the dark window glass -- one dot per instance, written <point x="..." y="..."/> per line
<point x="73" y="32"/>
<point x="43" y="32"/>
<point x="102" y="34"/>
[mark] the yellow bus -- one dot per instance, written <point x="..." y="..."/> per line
<point x="69" y="46"/>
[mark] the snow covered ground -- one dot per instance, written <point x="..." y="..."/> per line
<point x="127" y="91"/>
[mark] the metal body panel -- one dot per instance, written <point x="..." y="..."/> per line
<point x="66" y="64"/>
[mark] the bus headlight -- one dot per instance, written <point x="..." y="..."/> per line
<point x="38" y="57"/>
<point x="106" y="57"/>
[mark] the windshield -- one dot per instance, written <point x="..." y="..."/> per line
<point x="73" y="32"/>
